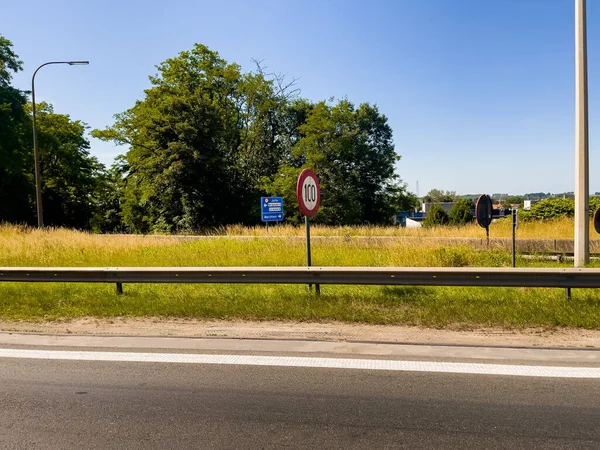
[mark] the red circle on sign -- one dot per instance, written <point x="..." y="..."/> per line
<point x="308" y="192"/>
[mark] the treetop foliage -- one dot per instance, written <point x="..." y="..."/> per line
<point x="441" y="196"/>
<point x="9" y="62"/>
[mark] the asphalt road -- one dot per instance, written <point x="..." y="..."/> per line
<point x="82" y="404"/>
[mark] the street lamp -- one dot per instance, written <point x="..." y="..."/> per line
<point x="36" y="159"/>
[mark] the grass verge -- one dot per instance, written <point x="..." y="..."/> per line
<point x="436" y="307"/>
<point x="426" y="306"/>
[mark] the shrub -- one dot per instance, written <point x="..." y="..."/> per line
<point x="551" y="208"/>
<point x="460" y="213"/>
<point x="436" y="216"/>
<point x="554" y="208"/>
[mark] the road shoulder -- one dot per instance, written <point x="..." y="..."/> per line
<point x="330" y="331"/>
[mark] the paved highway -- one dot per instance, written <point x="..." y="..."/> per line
<point x="53" y="404"/>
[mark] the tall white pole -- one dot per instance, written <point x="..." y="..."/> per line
<point x="582" y="182"/>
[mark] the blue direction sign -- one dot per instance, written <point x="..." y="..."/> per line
<point x="272" y="209"/>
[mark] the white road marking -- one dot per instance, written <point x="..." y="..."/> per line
<point x="329" y="363"/>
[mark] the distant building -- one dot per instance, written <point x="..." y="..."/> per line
<point x="447" y="206"/>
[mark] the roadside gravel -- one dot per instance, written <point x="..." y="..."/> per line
<point x="528" y="337"/>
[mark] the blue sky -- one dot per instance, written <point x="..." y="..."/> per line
<point x="479" y="93"/>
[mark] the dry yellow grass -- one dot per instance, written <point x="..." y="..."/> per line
<point x="60" y="247"/>
<point x="26" y="245"/>
<point x="555" y="229"/>
<point x="284" y="245"/>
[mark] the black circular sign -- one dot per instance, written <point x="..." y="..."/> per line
<point x="483" y="211"/>
<point x="597" y="220"/>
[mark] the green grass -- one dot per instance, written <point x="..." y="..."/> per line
<point x="427" y="306"/>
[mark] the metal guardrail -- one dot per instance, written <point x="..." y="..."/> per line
<point x="393" y="276"/>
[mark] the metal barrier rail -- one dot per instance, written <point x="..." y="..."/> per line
<point x="415" y="276"/>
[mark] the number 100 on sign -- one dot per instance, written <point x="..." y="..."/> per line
<point x="308" y="192"/>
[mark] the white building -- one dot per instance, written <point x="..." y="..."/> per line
<point x="528" y="203"/>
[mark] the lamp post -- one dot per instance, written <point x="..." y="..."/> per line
<point x="36" y="158"/>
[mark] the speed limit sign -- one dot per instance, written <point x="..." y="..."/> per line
<point x="308" y="193"/>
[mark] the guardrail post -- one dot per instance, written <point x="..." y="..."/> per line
<point x="119" y="288"/>
<point x="568" y="292"/>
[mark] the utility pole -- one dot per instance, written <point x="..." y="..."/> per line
<point x="582" y="180"/>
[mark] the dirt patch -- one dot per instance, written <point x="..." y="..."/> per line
<point x="530" y="337"/>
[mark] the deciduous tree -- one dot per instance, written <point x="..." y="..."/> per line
<point x="200" y="143"/>
<point x="71" y="177"/>
<point x="351" y="150"/>
<point x="16" y="182"/>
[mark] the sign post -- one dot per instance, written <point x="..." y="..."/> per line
<point x="308" y="194"/>
<point x="515" y="225"/>
<point x="483" y="214"/>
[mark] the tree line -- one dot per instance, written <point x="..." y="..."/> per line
<point x="73" y="179"/>
<point x="205" y="142"/>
